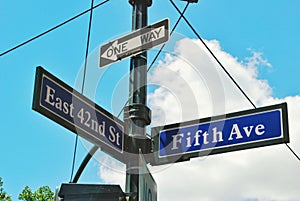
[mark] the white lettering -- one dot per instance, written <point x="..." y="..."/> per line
<point x="205" y="141"/>
<point x="71" y="110"/>
<point x="58" y="104"/>
<point x="248" y="131"/>
<point x="66" y="108"/>
<point x="80" y="115"/>
<point x="217" y="133"/>
<point x="235" y="131"/>
<point x="86" y="123"/>
<point x="188" y="140"/>
<point x="176" y="140"/>
<point x="114" y="137"/>
<point x="95" y="125"/>
<point x="260" y="129"/>
<point x="49" y="94"/>
<point x="101" y="129"/>
<point x="197" y="136"/>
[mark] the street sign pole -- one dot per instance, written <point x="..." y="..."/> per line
<point x="136" y="114"/>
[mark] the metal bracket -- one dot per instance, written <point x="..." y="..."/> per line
<point x="137" y="111"/>
<point x="132" y="2"/>
<point x="145" y="144"/>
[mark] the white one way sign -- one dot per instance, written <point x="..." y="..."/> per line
<point x="134" y="43"/>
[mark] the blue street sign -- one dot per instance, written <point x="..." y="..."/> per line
<point x="64" y="105"/>
<point x="235" y="131"/>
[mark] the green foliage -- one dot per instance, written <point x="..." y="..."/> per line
<point x="3" y="194"/>
<point x="26" y="194"/>
<point x="44" y="193"/>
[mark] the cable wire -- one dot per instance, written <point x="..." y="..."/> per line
<point x="74" y="157"/>
<point x="52" y="29"/>
<point x="83" y="82"/>
<point x="293" y="151"/>
<point x="84" y="163"/>
<point x="218" y="61"/>
<point x="221" y="65"/>
<point x="173" y="29"/>
<point x="87" y="48"/>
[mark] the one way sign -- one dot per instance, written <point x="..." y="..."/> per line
<point x="134" y="43"/>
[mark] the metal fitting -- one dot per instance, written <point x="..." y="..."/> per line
<point x="149" y="2"/>
<point x="191" y="1"/>
<point x="138" y="111"/>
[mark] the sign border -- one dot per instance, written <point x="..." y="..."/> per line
<point x="37" y="106"/>
<point x="155" y="132"/>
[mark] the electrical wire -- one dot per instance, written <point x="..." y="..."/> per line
<point x="221" y="65"/>
<point x="218" y="61"/>
<point x="293" y="151"/>
<point x="84" y="163"/>
<point x="173" y="29"/>
<point x="74" y="157"/>
<point x="83" y="81"/>
<point x="85" y="64"/>
<point x="87" y="48"/>
<point x="52" y="29"/>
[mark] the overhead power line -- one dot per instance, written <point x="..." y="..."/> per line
<point x="293" y="151"/>
<point x="213" y="55"/>
<point x="52" y="29"/>
<point x="84" y="163"/>
<point x="82" y="86"/>
<point x="173" y="29"/>
<point x="221" y="65"/>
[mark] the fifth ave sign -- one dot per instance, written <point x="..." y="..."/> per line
<point x="134" y="43"/>
<point x="236" y="131"/>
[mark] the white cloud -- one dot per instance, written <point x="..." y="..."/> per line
<point x="111" y="171"/>
<point x="269" y="173"/>
<point x="191" y="85"/>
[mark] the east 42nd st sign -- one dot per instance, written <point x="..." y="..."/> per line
<point x="64" y="105"/>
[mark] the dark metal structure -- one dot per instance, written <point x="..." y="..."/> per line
<point x="136" y="114"/>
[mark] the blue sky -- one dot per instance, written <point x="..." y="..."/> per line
<point x="35" y="151"/>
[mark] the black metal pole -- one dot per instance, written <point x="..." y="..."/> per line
<point x="138" y="69"/>
<point x="136" y="114"/>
